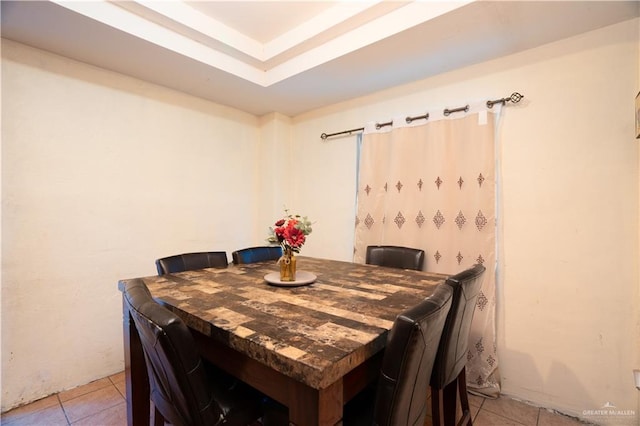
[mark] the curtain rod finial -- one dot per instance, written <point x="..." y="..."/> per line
<point x="516" y="97"/>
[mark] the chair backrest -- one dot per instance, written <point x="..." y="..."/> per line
<point x="177" y="378"/>
<point x="412" y="343"/>
<point x="192" y="261"/>
<point x="452" y="353"/>
<point x="395" y="257"/>
<point x="256" y="254"/>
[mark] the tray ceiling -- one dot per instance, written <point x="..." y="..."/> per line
<point x="294" y="56"/>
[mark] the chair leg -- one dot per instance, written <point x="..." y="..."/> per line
<point x="158" y="418"/>
<point x="435" y="407"/>
<point x="449" y="403"/>
<point x="449" y="396"/>
<point x="464" y="399"/>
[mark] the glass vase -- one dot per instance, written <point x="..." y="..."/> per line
<point x="288" y="266"/>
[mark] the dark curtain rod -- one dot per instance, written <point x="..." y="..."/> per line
<point x="514" y="98"/>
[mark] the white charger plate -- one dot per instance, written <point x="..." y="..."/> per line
<point x="302" y="278"/>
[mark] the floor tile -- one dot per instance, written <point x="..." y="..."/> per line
<point x="119" y="382"/>
<point x="487" y="418"/>
<point x="49" y="416"/>
<point x="84" y="389"/>
<point x="28" y="409"/>
<point x="122" y="388"/>
<point x="474" y="406"/>
<point x="92" y="403"/>
<point x="118" y="377"/>
<point x="549" y="418"/>
<point x="475" y="400"/>
<point x="102" y="403"/>
<point x="474" y="410"/>
<point x="114" y="416"/>
<point x="511" y="409"/>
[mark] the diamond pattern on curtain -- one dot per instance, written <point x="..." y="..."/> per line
<point x="433" y="187"/>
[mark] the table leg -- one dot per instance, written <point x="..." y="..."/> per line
<point x="135" y="373"/>
<point x="308" y="406"/>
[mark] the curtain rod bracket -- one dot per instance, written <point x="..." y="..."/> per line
<point x="448" y="111"/>
<point x="417" y="117"/>
<point x="381" y="125"/>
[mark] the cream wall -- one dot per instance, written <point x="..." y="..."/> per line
<point x="274" y="192"/>
<point x="568" y="280"/>
<point x="102" y="174"/>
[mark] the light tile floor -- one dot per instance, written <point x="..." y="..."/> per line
<point x="102" y="403"/>
<point x="99" y="403"/>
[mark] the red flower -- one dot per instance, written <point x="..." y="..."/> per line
<point x="279" y="232"/>
<point x="290" y="232"/>
<point x="294" y="237"/>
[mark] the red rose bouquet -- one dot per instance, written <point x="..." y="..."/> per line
<point x="290" y="232"/>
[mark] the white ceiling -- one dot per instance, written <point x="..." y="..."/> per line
<point x="294" y="56"/>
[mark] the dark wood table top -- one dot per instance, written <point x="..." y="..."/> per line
<point x="314" y="334"/>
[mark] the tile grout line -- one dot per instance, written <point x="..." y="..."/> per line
<point x="114" y="385"/>
<point x="111" y="384"/>
<point x="69" y="423"/>
<point x="64" y="412"/>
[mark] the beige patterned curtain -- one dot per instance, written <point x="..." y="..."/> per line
<point x="433" y="186"/>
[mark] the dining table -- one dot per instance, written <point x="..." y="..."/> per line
<point x="311" y="345"/>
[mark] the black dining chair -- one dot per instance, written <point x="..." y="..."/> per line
<point x="184" y="391"/>
<point x="410" y="352"/>
<point x="256" y="254"/>
<point x="449" y="370"/>
<point x="395" y="257"/>
<point x="400" y="395"/>
<point x="192" y="261"/>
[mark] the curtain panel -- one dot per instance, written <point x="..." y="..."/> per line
<point x="433" y="187"/>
